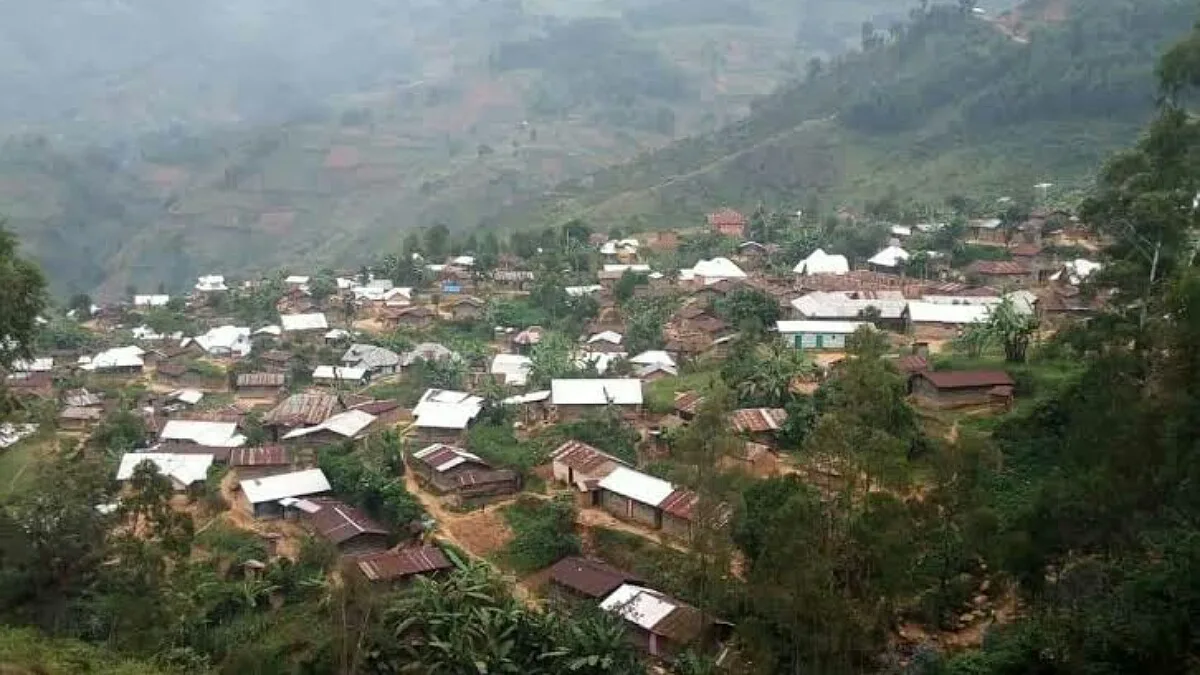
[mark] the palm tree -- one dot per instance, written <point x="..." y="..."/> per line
<point x="771" y="380"/>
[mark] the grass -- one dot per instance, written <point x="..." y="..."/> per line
<point x="17" y="462"/>
<point x="660" y="395"/>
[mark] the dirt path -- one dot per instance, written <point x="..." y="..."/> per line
<point x="589" y="518"/>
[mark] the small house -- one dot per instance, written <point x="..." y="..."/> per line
<point x="442" y="416"/>
<point x="375" y="360"/>
<point x="462" y="477"/>
<point x="511" y="369"/>
<point x="303" y="326"/>
<point x="634" y="496"/>
<point x="79" y="419"/>
<point x="820" y="262"/>
<point x="350" y="530"/>
<point x="956" y="388"/>
<point x="276" y="361"/>
<point x="260" y="385"/>
<point x="658" y="624"/>
<point x="416" y="317"/>
<point x="818" y="335"/>
<point x="260" y="461"/>
<point x="465" y="308"/>
<point x="728" y="223"/>
<point x="687" y="404"/>
<point x="890" y="260"/>
<point x="299" y="410"/>
<point x="345" y="426"/>
<point x="587" y="578"/>
<point x="582" y="467"/>
<point x="201" y="432"/>
<point x="339" y="376"/>
<point x="402" y="564"/>
<point x="31" y="385"/>
<point x="1002" y="273"/>
<point x="183" y="470"/>
<point x="270" y="496"/>
<point x="938" y="320"/>
<point x="761" y="425"/>
<point x="573" y="399"/>
<point x="986" y="231"/>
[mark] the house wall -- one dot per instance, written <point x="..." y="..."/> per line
<point x="835" y="341"/>
<point x="930" y="396"/>
<point x="429" y="436"/>
<point x="676" y="527"/>
<point x="364" y="543"/>
<point x="251" y="472"/>
<point x="574" y="412"/>
<point x="258" y="392"/>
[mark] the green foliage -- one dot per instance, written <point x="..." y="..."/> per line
<point x="120" y="431"/>
<point x="65" y="334"/>
<point x="381" y="495"/>
<point x="606" y="431"/>
<point x="543" y="533"/>
<point x="497" y="444"/>
<point x="26" y="650"/>
<point x="22" y="297"/>
<point x="749" y="309"/>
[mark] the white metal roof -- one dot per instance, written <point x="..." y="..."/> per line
<point x="226" y="340"/>
<point x="826" y="305"/>
<point x="150" y="300"/>
<point x="889" y="257"/>
<point x="370" y="356"/>
<point x="337" y="334"/>
<point x="459" y="457"/>
<point x="718" y="268"/>
<point x="637" y="486"/>
<point x="338" y="373"/>
<point x="202" y="432"/>
<point x="514" y="367"/>
<point x="11" y="434"/>
<point x="296" y="280"/>
<point x="653" y="356"/>
<point x="188" y="396"/>
<point x="531" y="397"/>
<point x="41" y="364"/>
<point x="638" y="605"/>
<point x="270" y="330"/>
<point x="820" y="262"/>
<point x="445" y="409"/>
<point x="295" y="484"/>
<point x="610" y="336"/>
<point x="296" y="322"/>
<point x="826" y="327"/>
<point x="596" y="392"/>
<point x="185" y="469"/>
<point x="464" y="261"/>
<point x="117" y="357"/>
<point x="928" y="312"/>
<point x="346" y="424"/>
<point x="577" y="291"/>
<point x="635" y="267"/>
<point x="901" y="231"/>
<point x="599" y="360"/>
<point x="211" y="282"/>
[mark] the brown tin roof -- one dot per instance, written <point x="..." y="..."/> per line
<point x="306" y="409"/>
<point x="401" y="563"/>
<point x="339" y="522"/>
<point x="753" y="420"/>
<point x="967" y="379"/>
<point x="583" y="458"/>
<point x="681" y="503"/>
<point x="588" y="577"/>
<point x="260" y="380"/>
<point x="267" y="455"/>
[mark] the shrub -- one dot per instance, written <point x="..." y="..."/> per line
<point x="544" y="533"/>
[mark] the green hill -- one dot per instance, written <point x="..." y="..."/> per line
<point x="955" y="103"/>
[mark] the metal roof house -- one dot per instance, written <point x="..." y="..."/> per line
<point x="269" y="496"/>
<point x="808" y="335"/>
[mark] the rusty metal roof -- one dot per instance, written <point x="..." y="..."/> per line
<point x="471" y="478"/>
<point x="588" y="577"/>
<point x="681" y="503"/>
<point x="171" y="369"/>
<point x="308" y="409"/>
<point x="267" y="455"/>
<point x="683" y="625"/>
<point x="754" y="420"/>
<point x="999" y="267"/>
<point x="583" y="458"/>
<point x="339" y="522"/>
<point x="688" y="402"/>
<point x="967" y="379"/>
<point x="401" y="563"/>
<point x="260" y="380"/>
<point x="912" y="363"/>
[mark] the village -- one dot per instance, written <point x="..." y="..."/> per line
<point x="414" y="426"/>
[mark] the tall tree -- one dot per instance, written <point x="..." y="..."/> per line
<point x="22" y="299"/>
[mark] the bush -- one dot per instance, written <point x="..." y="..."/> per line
<point x="544" y="533"/>
<point x="382" y="496"/>
<point x="497" y="444"/>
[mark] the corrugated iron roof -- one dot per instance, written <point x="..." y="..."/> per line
<point x="267" y="455"/>
<point x="753" y="420"/>
<point x="688" y="402"/>
<point x="999" y="267"/>
<point x="589" y="577"/>
<point x="682" y="626"/>
<point x="306" y="409"/>
<point x="471" y="478"/>
<point x="339" y="522"/>
<point x="401" y="563"/>
<point x="681" y="503"/>
<point x="441" y="457"/>
<point x="260" y="380"/>
<point x="583" y="458"/>
<point x="967" y="379"/>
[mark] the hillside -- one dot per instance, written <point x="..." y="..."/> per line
<point x="206" y="141"/>
<point x="954" y="104"/>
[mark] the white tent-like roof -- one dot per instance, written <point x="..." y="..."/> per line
<point x="303" y="322"/>
<point x="609" y="336"/>
<point x="294" y="484"/>
<point x="637" y="486"/>
<point x="225" y="340"/>
<point x="183" y="469"/>
<point x="820" y="262"/>
<point x="640" y="606"/>
<point x="514" y="367"/>
<point x="929" y="312"/>
<point x="117" y="357"/>
<point x="892" y="256"/>
<point x="347" y="424"/>
<point x="202" y="432"/>
<point x="653" y="357"/>
<point x="717" y="269"/>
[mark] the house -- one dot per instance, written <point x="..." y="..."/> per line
<point x="582" y="467"/>
<point x="276" y="361"/>
<point x="955" y="388"/>
<point x="260" y="385"/>
<point x="299" y="410"/>
<point x="401" y="564"/>
<point x="575" y="398"/>
<point x="223" y="341"/>
<point x="442" y="415"/>
<point x="885" y="309"/>
<point x="528" y="338"/>
<point x="986" y="231"/>
<point x="687" y="404"/>
<point x="605" y="342"/>
<point x="531" y="407"/>
<point x="634" y="496"/>
<point x="150" y="301"/>
<point x="201" y="432"/>
<point x="1076" y="271"/>
<point x="116" y="361"/>
<point x="933" y="320"/>
<point x="303" y="326"/>
<point x="31" y="385"/>
<point x="890" y="260"/>
<point x="197" y="375"/>
<point x="269" y="496"/>
<point x="339" y="376"/>
<point x="260" y="461"/>
<point x="419" y="316"/>
<point x="183" y="470"/>
<point x="465" y="308"/>
<point x="464" y="478"/>
<point x="511" y="369"/>
<point x="728" y="223"/>
<point x="679" y="513"/>
<point x="82" y="398"/>
<point x="711" y="271"/>
<point x="805" y="335"/>
<point x="659" y="624"/>
<point x="375" y="360"/>
<point x="426" y="351"/>
<point x="653" y="372"/>
<point x="1002" y="273"/>
<point x="350" y="530"/>
<point x="337" y="337"/>
<point x="212" y="283"/>
<point x="345" y="426"/>
<point x="79" y="419"/>
<point x="820" y="262"/>
<point x="760" y="425"/>
<point x="586" y="578"/>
